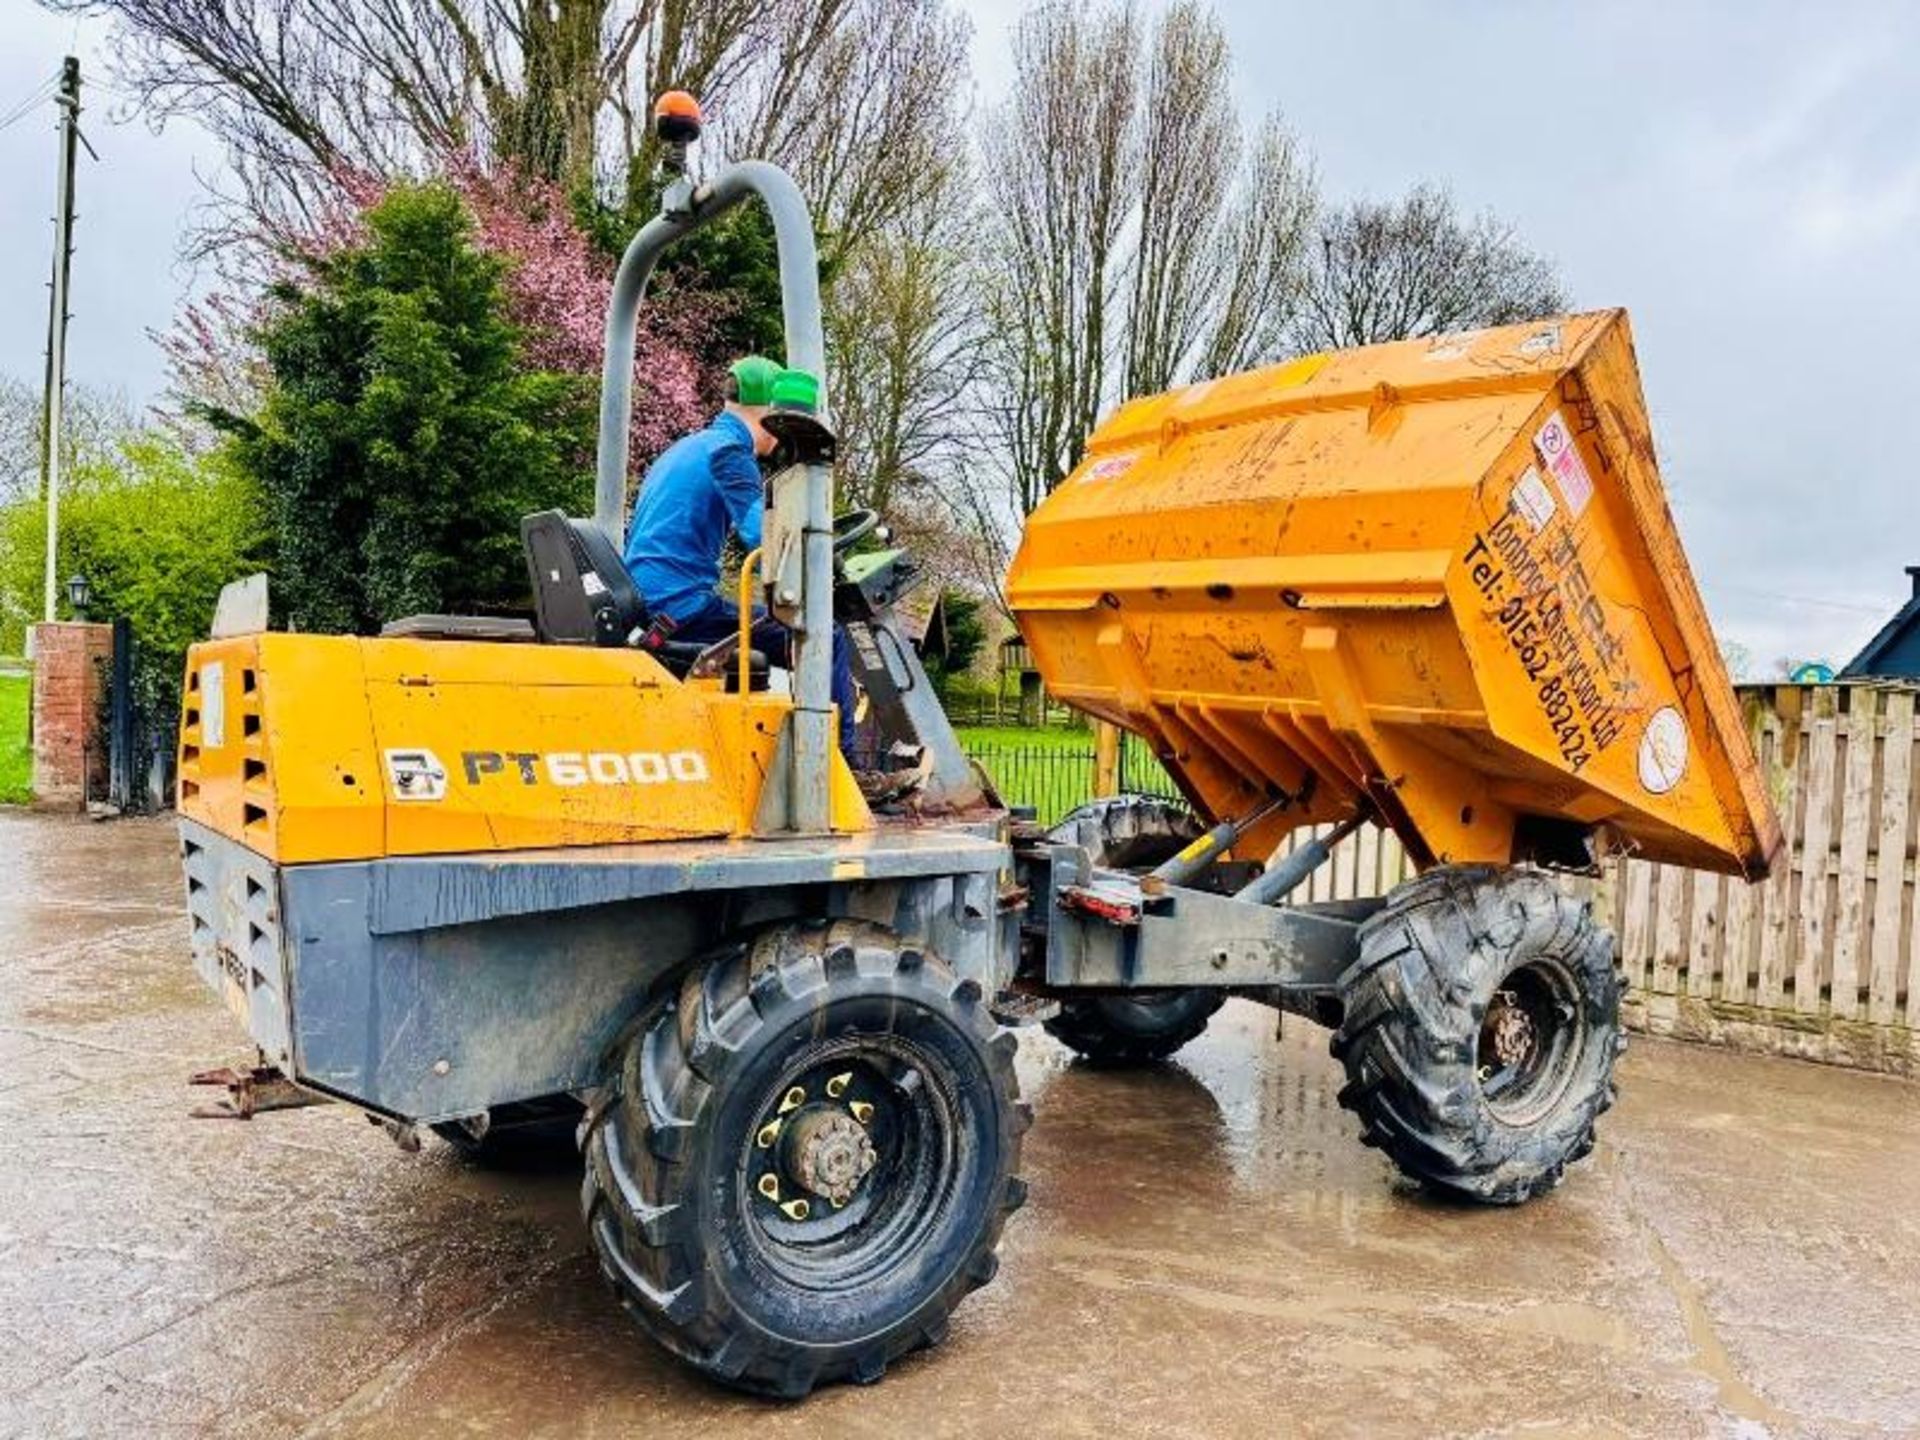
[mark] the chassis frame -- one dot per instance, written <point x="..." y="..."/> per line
<point x="442" y="988"/>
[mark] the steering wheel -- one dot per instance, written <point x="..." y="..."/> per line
<point x="851" y="527"/>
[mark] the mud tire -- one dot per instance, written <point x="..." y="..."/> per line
<point x="1414" y="1002"/>
<point x="1132" y="832"/>
<point x="1134" y="1029"/>
<point x="669" y="1194"/>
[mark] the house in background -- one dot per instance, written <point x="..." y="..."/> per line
<point x="1893" y="654"/>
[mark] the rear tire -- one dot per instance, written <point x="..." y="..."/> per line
<point x="1134" y="1029"/>
<point x="1132" y="832"/>
<point x="1481" y="1024"/>
<point x="800" y="1169"/>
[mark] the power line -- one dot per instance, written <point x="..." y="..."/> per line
<point x="1782" y="599"/>
<point x="45" y="85"/>
<point x="27" y="106"/>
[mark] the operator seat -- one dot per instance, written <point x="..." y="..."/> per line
<point x="583" y="595"/>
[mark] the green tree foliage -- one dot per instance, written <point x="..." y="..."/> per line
<point x="734" y="259"/>
<point x="400" y="440"/>
<point x="156" y="531"/>
<point x="966" y="636"/>
<point x="737" y="260"/>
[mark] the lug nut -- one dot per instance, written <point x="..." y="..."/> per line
<point x="862" y="1111"/>
<point x="796" y="1209"/>
<point x="837" y="1086"/>
<point x="770" y="1186"/>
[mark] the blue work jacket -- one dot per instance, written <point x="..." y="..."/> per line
<point x="703" y="485"/>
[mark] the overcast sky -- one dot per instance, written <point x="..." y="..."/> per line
<point x="1745" y="179"/>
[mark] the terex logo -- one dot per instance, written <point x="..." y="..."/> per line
<point x="597" y="767"/>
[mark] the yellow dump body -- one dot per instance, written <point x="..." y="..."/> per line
<point x="1439" y="575"/>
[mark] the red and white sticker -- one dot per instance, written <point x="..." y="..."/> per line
<point x="1110" y="467"/>
<point x="1663" y="751"/>
<point x="1533" y="500"/>
<point x="1561" y="456"/>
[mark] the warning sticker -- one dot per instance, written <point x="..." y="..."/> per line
<point x="1663" y="751"/>
<point x="1113" y="465"/>
<point x="1533" y="500"/>
<point x="416" y="775"/>
<point x="1544" y="341"/>
<point x="213" y="704"/>
<point x="1562" y="457"/>
<point x="1451" y="347"/>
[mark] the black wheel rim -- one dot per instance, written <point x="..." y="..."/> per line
<point x="898" y="1201"/>
<point x="1531" y="1040"/>
<point x="1155" y="1000"/>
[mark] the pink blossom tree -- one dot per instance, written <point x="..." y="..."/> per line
<point x="557" y="285"/>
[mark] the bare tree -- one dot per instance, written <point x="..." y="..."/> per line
<point x="1061" y="162"/>
<point x="93" y="424"/>
<point x="561" y="88"/>
<point x="862" y="103"/>
<point x="902" y="338"/>
<point x="903" y="323"/>
<point x="1260" y="258"/>
<point x="1188" y="145"/>
<point x="1140" y="239"/>
<point x="1392" y="270"/>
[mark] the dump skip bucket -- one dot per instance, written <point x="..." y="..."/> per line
<point x="1439" y="577"/>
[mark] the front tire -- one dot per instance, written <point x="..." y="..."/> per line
<point x="802" y="1167"/>
<point x="1132" y="832"/>
<point x="1481" y="1024"/>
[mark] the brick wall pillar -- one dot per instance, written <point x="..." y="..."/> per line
<point x="71" y="671"/>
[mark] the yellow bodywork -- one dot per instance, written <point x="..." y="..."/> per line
<point x="314" y="747"/>
<point x="1440" y="573"/>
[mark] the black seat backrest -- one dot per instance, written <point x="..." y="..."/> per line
<point x="582" y="594"/>
<point x="503" y="629"/>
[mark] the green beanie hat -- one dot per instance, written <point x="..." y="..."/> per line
<point x="753" y="377"/>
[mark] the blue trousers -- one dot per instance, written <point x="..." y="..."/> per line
<point x="719" y="618"/>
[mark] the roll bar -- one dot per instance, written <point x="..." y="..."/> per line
<point x="684" y="209"/>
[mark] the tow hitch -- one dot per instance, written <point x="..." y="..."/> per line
<point x="249" y="1091"/>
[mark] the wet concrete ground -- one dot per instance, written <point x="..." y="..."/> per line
<point x="1207" y="1250"/>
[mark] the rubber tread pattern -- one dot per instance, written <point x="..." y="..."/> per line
<point x="1429" y="964"/>
<point x="650" y="1150"/>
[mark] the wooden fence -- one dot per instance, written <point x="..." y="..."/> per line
<point x="1820" y="960"/>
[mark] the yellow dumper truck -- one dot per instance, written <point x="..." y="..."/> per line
<point x="493" y="877"/>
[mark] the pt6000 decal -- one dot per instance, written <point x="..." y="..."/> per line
<point x="416" y="774"/>
<point x="590" y="767"/>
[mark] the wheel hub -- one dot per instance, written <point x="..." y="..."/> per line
<point x="1514" y="1034"/>
<point x="819" y="1147"/>
<point x="828" y="1152"/>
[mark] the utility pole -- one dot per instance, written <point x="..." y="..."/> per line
<point x="69" y="102"/>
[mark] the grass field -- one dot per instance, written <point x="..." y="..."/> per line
<point x="1051" y="769"/>
<point x="16" y="758"/>
<point x="1019" y="737"/>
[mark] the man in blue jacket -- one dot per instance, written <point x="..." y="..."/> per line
<point x="703" y="486"/>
